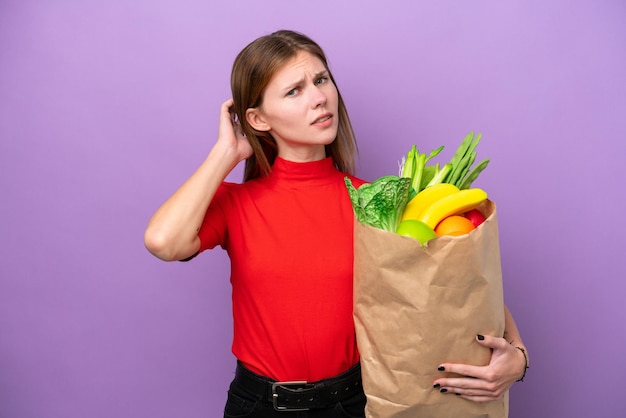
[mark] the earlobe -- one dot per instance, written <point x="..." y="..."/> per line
<point x="256" y="120"/>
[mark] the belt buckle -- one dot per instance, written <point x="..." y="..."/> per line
<point x="275" y="395"/>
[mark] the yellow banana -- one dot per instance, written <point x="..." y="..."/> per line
<point x="425" y="198"/>
<point x="454" y="204"/>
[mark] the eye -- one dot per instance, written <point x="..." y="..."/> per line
<point x="292" y="92"/>
<point x="321" y="80"/>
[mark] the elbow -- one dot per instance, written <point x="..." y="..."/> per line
<point x="158" y="245"/>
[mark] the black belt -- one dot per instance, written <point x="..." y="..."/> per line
<point x="301" y="395"/>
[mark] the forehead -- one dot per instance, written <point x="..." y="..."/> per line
<point x="299" y="66"/>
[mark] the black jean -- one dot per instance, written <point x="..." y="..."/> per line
<point x="242" y="403"/>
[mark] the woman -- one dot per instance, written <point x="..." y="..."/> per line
<point x="288" y="232"/>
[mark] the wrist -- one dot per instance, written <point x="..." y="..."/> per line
<point x="224" y="159"/>
<point x="526" y="365"/>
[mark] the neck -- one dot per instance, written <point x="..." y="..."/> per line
<point x="303" y="154"/>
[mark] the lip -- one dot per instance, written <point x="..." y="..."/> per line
<point x="323" y="119"/>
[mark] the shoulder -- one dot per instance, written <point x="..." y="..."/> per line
<point x="233" y="192"/>
<point x="227" y="191"/>
<point x="226" y="188"/>
<point x="233" y="188"/>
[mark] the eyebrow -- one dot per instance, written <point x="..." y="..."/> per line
<point x="321" y="73"/>
<point x="300" y="81"/>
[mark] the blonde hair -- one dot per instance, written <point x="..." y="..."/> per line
<point x="252" y="71"/>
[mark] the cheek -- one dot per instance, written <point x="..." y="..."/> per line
<point x="278" y="116"/>
<point x="286" y="122"/>
<point x="334" y="98"/>
<point x="290" y="116"/>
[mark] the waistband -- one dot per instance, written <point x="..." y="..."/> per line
<point x="300" y="395"/>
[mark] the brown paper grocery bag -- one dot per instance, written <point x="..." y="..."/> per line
<point x="418" y="307"/>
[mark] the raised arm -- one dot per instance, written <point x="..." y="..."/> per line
<point x="172" y="232"/>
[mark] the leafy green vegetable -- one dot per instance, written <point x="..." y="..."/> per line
<point x="438" y="175"/>
<point x="458" y="171"/>
<point x="407" y="168"/>
<point x="467" y="182"/>
<point x="380" y="204"/>
<point x="414" y="166"/>
<point x="462" y="161"/>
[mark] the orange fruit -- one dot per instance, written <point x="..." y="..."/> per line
<point x="454" y="225"/>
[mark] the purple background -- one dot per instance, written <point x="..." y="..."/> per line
<point x="107" y="106"/>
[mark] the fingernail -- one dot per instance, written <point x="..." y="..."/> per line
<point x="436" y="385"/>
<point x="457" y="394"/>
<point x="480" y="337"/>
<point x="444" y="390"/>
<point x="441" y="368"/>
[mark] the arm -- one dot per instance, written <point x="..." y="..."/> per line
<point x="172" y="232"/>
<point x="488" y="383"/>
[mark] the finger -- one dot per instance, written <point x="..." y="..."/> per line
<point x="233" y="115"/>
<point x="476" y="394"/>
<point x="225" y="111"/>
<point x="229" y="113"/>
<point x="466" y="386"/>
<point x="469" y="391"/>
<point x="228" y="103"/>
<point x="238" y="129"/>
<point x="462" y="369"/>
<point x="477" y="398"/>
<point x="490" y="341"/>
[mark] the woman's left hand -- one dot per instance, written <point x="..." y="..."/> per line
<point x="485" y="383"/>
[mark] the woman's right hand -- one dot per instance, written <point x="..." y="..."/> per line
<point x="230" y="134"/>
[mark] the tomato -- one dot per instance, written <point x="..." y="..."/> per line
<point x="475" y="216"/>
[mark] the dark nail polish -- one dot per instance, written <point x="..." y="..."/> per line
<point x="436" y="385"/>
<point x="480" y="337"/>
<point x="444" y="390"/>
<point x="457" y="394"/>
<point x="441" y="368"/>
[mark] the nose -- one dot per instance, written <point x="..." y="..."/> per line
<point x="318" y="97"/>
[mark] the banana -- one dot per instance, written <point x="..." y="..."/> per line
<point x="454" y="204"/>
<point x="425" y="198"/>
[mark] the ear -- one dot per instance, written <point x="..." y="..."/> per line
<point x="256" y="120"/>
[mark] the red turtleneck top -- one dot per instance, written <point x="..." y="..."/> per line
<point x="289" y="239"/>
